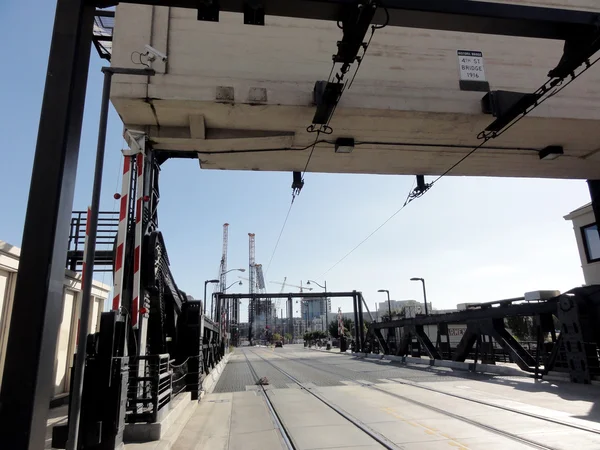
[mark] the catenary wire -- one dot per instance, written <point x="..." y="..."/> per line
<point x="406" y="202"/>
<point x="485" y="139"/>
<point x="280" y="234"/>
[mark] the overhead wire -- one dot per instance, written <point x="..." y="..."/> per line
<point x="287" y="216"/>
<point x="406" y="202"/>
<point x="558" y="86"/>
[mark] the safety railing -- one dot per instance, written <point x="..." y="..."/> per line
<point x="150" y="387"/>
<point x="108" y="223"/>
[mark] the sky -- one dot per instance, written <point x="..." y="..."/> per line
<point x="472" y="239"/>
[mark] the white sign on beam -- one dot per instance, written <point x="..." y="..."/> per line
<point x="470" y="64"/>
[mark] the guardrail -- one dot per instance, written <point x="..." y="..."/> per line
<point x="150" y="387"/>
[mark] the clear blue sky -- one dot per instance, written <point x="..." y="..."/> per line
<point x="473" y="239"/>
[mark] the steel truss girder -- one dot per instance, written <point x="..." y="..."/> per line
<point x="527" y="309"/>
<point x="449" y="15"/>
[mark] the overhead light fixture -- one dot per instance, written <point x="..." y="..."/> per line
<point x="551" y="152"/>
<point x="344" y="145"/>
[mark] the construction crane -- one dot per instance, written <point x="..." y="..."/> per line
<point x="284" y="284"/>
<point x="223" y="268"/>
<point x="251" y="282"/>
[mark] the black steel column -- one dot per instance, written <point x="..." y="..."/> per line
<point x="356" y="322"/>
<point x="361" y="322"/>
<point x="291" y="317"/>
<point x="28" y="374"/>
<point x="594" y="187"/>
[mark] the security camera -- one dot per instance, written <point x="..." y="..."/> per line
<point x="153" y="54"/>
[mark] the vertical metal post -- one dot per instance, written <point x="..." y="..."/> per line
<point x="425" y="297"/>
<point x="88" y="274"/>
<point x="28" y="374"/>
<point x="291" y="317"/>
<point x="356" y="324"/>
<point x="205" y="300"/>
<point x="361" y="324"/>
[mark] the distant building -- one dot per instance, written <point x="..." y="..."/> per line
<point x="313" y="308"/>
<point x="588" y="242"/>
<point x="70" y="311"/>
<point x="410" y="307"/>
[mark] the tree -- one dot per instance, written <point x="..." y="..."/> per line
<point x="333" y="327"/>
<point x="276" y="337"/>
<point x="396" y="314"/>
<point x="288" y="337"/>
<point x="520" y="327"/>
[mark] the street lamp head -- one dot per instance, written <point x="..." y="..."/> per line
<point x="308" y="282"/>
<point x="241" y="270"/>
<point x="416" y="279"/>
<point x="240" y="283"/>
<point x="211" y="281"/>
<point x="383" y="290"/>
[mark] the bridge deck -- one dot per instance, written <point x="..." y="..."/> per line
<point x="323" y="401"/>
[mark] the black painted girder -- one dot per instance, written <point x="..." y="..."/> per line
<point x="523" y="309"/>
<point x="450" y="15"/>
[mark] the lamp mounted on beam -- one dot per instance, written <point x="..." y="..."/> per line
<point x="551" y="152"/>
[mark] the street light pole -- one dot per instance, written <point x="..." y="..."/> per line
<point x="389" y="301"/>
<point x="205" y="301"/>
<point x="424" y="293"/>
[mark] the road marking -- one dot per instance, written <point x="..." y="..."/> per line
<point x="431" y="431"/>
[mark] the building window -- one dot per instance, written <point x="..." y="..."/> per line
<point x="591" y="242"/>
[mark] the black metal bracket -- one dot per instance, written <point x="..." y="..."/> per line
<point x="506" y="106"/>
<point x="208" y="10"/>
<point x="254" y="12"/>
<point x="326" y="96"/>
<point x="577" y="51"/>
<point x="297" y="182"/>
<point x="356" y="21"/>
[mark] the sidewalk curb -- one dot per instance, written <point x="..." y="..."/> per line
<point x="464" y="366"/>
<point x="172" y="433"/>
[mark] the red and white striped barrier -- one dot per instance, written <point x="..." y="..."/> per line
<point x="121" y="233"/>
<point x="137" y="253"/>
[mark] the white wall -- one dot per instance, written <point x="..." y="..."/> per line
<point x="583" y="217"/>
<point x="67" y="335"/>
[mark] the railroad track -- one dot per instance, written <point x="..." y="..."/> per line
<point x="503" y="433"/>
<point x="379" y="438"/>
<point x="469" y="399"/>
<point x="285" y="436"/>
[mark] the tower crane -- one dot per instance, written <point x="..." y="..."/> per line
<point x="284" y="284"/>
<point x="223" y="268"/>
<point x="251" y="282"/>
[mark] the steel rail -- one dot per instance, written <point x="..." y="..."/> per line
<point x="490" y="428"/>
<point x="282" y="430"/>
<point x="385" y="442"/>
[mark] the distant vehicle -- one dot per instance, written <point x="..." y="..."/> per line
<point x="278" y="344"/>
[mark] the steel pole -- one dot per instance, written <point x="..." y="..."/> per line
<point x="205" y="301"/>
<point x="389" y="304"/>
<point x="27" y="380"/>
<point x="88" y="275"/>
<point x="326" y="311"/>
<point x="425" y="297"/>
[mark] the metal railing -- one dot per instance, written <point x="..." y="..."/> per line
<point x="108" y="223"/>
<point x="150" y="387"/>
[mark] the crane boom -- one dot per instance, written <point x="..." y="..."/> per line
<point x="283" y="285"/>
